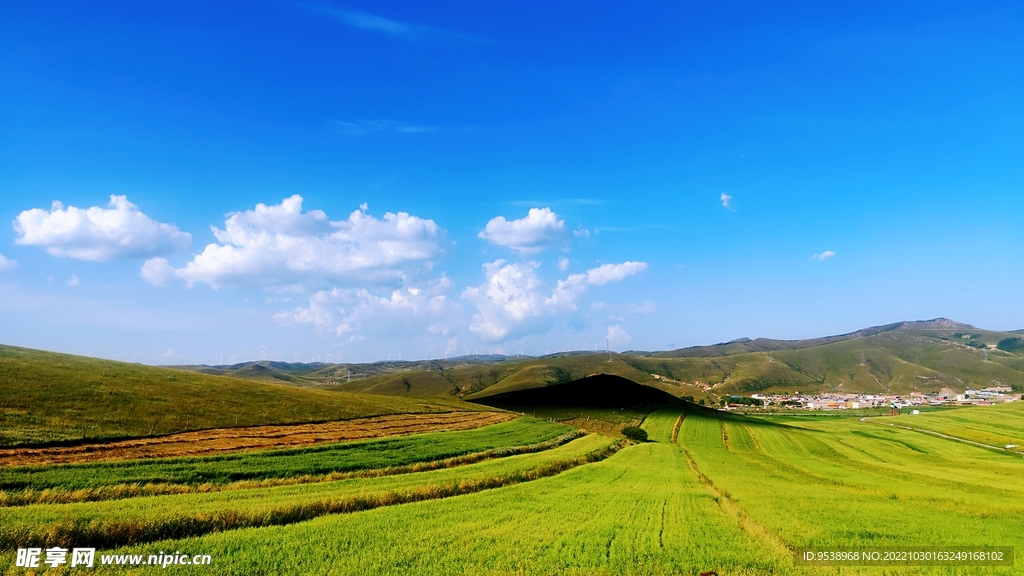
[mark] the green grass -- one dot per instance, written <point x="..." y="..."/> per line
<point x="49" y="397"/>
<point x="266" y="464"/>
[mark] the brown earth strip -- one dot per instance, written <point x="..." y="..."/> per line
<point x="228" y="440"/>
<point x="678" y="425"/>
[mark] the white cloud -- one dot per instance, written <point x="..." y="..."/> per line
<point x="281" y="245"/>
<point x="361" y="127"/>
<point x="726" y="201"/>
<point x="513" y="299"/>
<point x="157" y="271"/>
<point x="169" y="353"/>
<point x="647" y="307"/>
<point x="6" y="264"/>
<point x="117" y="232"/>
<point x="613" y="272"/>
<point x="563" y="264"/>
<point x="822" y="256"/>
<point x="617" y="335"/>
<point x="357" y="313"/>
<point x="73" y="281"/>
<point x="540" y="229"/>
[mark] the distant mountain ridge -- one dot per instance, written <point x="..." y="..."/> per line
<point x="742" y="345"/>
<point x="903" y="357"/>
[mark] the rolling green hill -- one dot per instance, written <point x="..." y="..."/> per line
<point x="899" y="358"/>
<point x="926" y="356"/>
<point x="49" y="397"/>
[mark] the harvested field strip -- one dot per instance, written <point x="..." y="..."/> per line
<point x="64" y="482"/>
<point x="120" y="491"/>
<point x="228" y="440"/>
<point x="106" y="524"/>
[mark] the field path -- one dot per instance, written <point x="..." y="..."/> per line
<point x="228" y="440"/>
<point x="732" y="508"/>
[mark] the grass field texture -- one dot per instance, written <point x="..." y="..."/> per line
<point x="711" y="491"/>
<point x="999" y="425"/>
<point x="60" y="482"/>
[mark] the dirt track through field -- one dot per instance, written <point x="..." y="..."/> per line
<point x="227" y="440"/>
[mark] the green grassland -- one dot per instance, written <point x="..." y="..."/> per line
<point x="49" y="397"/>
<point x="273" y="464"/>
<point x="711" y="491"/>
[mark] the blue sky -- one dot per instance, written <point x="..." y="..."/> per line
<point x="455" y="177"/>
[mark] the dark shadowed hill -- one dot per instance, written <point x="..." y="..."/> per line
<point x="598" y="391"/>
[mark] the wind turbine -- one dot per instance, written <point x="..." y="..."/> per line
<point x="263" y="349"/>
<point x="115" y="357"/>
<point x="221" y="360"/>
<point x="328" y="356"/>
<point x="295" y="355"/>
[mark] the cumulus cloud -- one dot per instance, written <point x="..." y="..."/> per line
<point x="540" y="229"/>
<point x="617" y="335"/>
<point x="157" y="271"/>
<point x="822" y="256"/>
<point x="613" y="272"/>
<point x="563" y="264"/>
<point x="513" y="299"/>
<point x="73" y="281"/>
<point x="281" y="245"/>
<point x="726" y="201"/>
<point x="357" y="313"/>
<point x="6" y="264"/>
<point x="119" y="231"/>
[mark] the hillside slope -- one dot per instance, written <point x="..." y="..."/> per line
<point x="48" y="397"/>
<point x="903" y="357"/>
<point x="924" y="356"/>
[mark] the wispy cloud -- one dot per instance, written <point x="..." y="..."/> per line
<point x="360" y="127"/>
<point x="822" y="256"/>
<point x="727" y="202"/>
<point x="404" y="30"/>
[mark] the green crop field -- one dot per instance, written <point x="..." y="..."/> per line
<point x="710" y="491"/>
<point x="86" y="481"/>
<point x="998" y="425"/>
